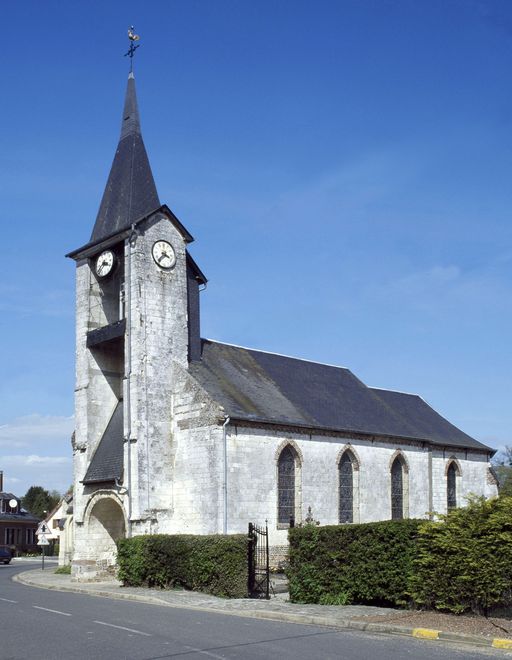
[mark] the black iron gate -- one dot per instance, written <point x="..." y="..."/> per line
<point x="258" y="557"/>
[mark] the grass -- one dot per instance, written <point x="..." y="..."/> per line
<point x="63" y="570"/>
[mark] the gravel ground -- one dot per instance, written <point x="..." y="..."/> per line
<point x="468" y="624"/>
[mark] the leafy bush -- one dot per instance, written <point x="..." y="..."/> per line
<point x="214" y="564"/>
<point x="342" y="564"/>
<point x="63" y="570"/>
<point x="464" y="562"/>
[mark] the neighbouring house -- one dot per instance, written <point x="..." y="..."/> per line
<point x="58" y="524"/>
<point x="180" y="434"/>
<point x="67" y="532"/>
<point x="17" y="526"/>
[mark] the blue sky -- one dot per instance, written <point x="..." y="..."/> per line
<point x="344" y="166"/>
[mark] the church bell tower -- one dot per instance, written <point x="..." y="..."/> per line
<point x="137" y="322"/>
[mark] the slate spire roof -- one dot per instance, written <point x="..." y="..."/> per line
<point x="130" y="192"/>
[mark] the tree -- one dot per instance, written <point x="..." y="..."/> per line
<point x="39" y="501"/>
<point x="503" y="465"/>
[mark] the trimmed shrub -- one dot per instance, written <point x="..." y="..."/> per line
<point x="342" y="564"/>
<point x="63" y="570"/>
<point x="464" y="562"/>
<point x="214" y="564"/>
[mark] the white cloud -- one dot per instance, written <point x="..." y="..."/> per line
<point x="19" y="460"/>
<point x="29" y="428"/>
<point x="36" y="450"/>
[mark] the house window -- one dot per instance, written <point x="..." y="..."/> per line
<point x="451" y="486"/>
<point x="286" y="486"/>
<point x="346" y="488"/>
<point x="397" y="490"/>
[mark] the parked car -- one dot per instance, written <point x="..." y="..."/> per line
<point x="5" y="554"/>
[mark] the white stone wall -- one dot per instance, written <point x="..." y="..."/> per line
<point x="252" y="481"/>
<point x="472" y="478"/>
<point x="80" y="455"/>
<point x="197" y="452"/>
<point x="96" y="395"/>
<point x="159" y="339"/>
<point x="66" y="544"/>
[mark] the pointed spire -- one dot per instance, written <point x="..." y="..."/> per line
<point x="130" y="192"/>
<point x="131" y="121"/>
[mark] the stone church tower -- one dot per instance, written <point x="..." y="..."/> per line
<point x="137" y="322"/>
<point x="178" y="434"/>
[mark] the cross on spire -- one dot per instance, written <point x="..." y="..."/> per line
<point x="133" y="47"/>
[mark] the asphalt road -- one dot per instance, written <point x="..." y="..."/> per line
<point x="50" y="625"/>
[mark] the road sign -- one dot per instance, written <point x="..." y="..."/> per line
<point x="43" y="528"/>
<point x="43" y="540"/>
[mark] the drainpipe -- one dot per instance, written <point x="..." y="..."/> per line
<point x="128" y="372"/>
<point x="225" y="486"/>
<point x="430" y="485"/>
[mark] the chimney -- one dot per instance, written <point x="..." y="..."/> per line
<point x="1" y="480"/>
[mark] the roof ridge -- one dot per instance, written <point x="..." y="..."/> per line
<point x="290" y="357"/>
<point x="388" y="389"/>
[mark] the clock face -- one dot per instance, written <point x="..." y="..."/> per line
<point x="164" y="255"/>
<point x="104" y="263"/>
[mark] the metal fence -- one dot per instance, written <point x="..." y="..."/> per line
<point x="259" y="565"/>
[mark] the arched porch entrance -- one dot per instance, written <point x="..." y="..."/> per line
<point x="106" y="525"/>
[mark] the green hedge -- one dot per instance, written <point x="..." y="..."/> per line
<point x="464" y="562"/>
<point x="342" y="564"/>
<point x="214" y="564"/>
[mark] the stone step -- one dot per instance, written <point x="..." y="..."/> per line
<point x="279" y="583"/>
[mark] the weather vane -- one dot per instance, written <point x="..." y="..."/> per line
<point x="131" y="51"/>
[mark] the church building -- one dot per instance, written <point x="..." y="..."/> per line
<point x="179" y="434"/>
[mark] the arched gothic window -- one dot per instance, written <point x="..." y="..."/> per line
<point x="286" y="486"/>
<point x="397" y="490"/>
<point x="346" y="488"/>
<point x="451" y="486"/>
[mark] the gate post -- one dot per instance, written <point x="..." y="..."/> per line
<point x="267" y="588"/>
<point x="250" y="560"/>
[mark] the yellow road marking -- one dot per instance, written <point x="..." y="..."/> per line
<point x="502" y="643"/>
<point x="425" y="633"/>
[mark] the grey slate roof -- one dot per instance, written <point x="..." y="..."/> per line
<point x="26" y="517"/>
<point x="107" y="463"/>
<point x="8" y="496"/>
<point x="427" y="422"/>
<point x="130" y="192"/>
<point x="93" y="246"/>
<point x="268" y="388"/>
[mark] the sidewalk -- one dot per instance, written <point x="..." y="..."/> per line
<point x="485" y="633"/>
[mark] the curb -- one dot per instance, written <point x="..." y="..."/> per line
<point x="288" y="617"/>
